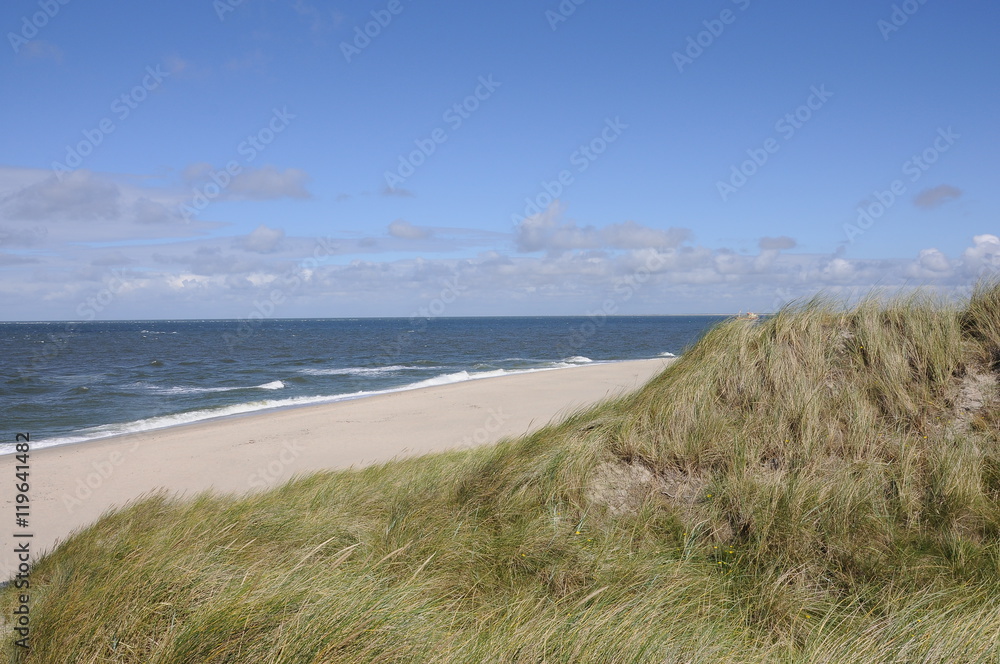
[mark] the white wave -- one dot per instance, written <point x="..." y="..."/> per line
<point x="355" y="371"/>
<point x="189" y="390"/>
<point x="165" y="421"/>
<point x="273" y="385"/>
<point x="667" y="354"/>
<point x="180" y="389"/>
<point x="458" y="377"/>
<point x="578" y="359"/>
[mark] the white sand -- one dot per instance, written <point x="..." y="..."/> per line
<point x="72" y="485"/>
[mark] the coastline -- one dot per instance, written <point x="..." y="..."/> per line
<point x="73" y="484"/>
<point x="175" y="420"/>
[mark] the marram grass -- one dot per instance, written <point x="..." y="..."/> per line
<point x="819" y="486"/>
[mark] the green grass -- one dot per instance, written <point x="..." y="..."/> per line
<point x="819" y="486"/>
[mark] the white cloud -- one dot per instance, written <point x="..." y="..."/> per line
<point x="268" y="182"/>
<point x="39" y="209"/>
<point x="188" y="274"/>
<point x="147" y="211"/>
<point x="547" y="232"/>
<point x="259" y="184"/>
<point x="405" y="230"/>
<point x="80" y="195"/>
<point x="630" y="235"/>
<point x="838" y="270"/>
<point x="777" y="243"/>
<point x="930" y="264"/>
<point x="933" y="260"/>
<point x="983" y="255"/>
<point x="263" y="239"/>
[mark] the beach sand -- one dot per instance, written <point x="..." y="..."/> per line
<point x="72" y="485"/>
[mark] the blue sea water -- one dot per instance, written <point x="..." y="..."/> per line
<point x="70" y="382"/>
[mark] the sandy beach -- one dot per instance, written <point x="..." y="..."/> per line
<point x="72" y="485"/>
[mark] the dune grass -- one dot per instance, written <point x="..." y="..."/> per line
<point x="818" y="486"/>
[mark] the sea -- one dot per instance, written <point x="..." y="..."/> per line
<point x="69" y="382"/>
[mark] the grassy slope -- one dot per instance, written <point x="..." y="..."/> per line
<point x="819" y="486"/>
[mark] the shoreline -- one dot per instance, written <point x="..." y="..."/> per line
<point x="73" y="484"/>
<point x="309" y="402"/>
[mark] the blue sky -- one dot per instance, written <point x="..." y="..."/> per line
<point x="209" y="158"/>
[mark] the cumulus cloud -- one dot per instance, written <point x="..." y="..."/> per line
<point x="146" y="211"/>
<point x="264" y="183"/>
<point x="195" y="172"/>
<point x="560" y="267"/>
<point x="935" y="196"/>
<point x="211" y="261"/>
<point x="39" y="208"/>
<point x="630" y="235"/>
<point x="930" y="264"/>
<point x="983" y="255"/>
<point x="267" y="183"/>
<point x="262" y="240"/>
<point x="777" y="243"/>
<point x="407" y="231"/>
<point x="933" y="260"/>
<point x="544" y="231"/>
<point x="79" y="195"/>
<point x="547" y="232"/>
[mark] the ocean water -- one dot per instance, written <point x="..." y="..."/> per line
<point x="71" y="382"/>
